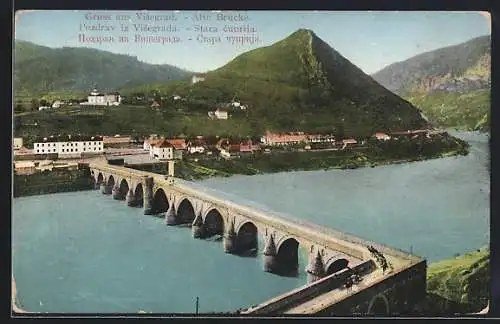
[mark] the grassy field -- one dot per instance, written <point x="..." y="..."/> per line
<point x="461" y="284"/>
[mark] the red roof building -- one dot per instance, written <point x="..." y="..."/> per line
<point x="248" y="146"/>
<point x="178" y="143"/>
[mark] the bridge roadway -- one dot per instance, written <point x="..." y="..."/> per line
<point x="327" y="244"/>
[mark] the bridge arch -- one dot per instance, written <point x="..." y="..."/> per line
<point x="139" y="194"/>
<point x="160" y="202"/>
<point x="213" y="223"/>
<point x="379" y="305"/>
<point x="124" y="186"/>
<point x="111" y="181"/>
<point x="288" y="256"/>
<point x="99" y="178"/>
<point x="334" y="265"/>
<point x="185" y="212"/>
<point x="247" y="238"/>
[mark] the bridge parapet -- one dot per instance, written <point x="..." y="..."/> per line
<point x="309" y="291"/>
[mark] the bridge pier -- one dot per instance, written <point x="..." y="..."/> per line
<point x="130" y="198"/>
<point x="270" y="256"/>
<point x="315" y="269"/>
<point x="229" y="240"/>
<point x="170" y="217"/>
<point x="197" y="227"/>
<point x="117" y="195"/>
<point x="148" y="196"/>
<point x="105" y="190"/>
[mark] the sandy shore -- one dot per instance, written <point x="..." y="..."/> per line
<point x="14" y="293"/>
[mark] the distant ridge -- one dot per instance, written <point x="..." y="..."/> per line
<point x="40" y="69"/>
<point x="459" y="68"/>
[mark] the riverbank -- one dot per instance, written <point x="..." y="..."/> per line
<point x="55" y="181"/>
<point x="374" y="154"/>
<point x="459" y="285"/>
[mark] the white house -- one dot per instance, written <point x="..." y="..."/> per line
<point x="69" y="146"/>
<point x="43" y="107"/>
<point x="197" y="78"/>
<point x="57" y="104"/>
<point x="218" y="114"/>
<point x="103" y="99"/>
<point x="348" y="142"/>
<point x="176" y="97"/>
<point x="18" y="143"/>
<point x="162" y="150"/>
<point x="195" y="147"/>
<point x="381" y="136"/>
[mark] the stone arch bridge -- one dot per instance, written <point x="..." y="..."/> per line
<point x="239" y="226"/>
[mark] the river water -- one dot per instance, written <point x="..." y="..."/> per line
<point x="85" y="252"/>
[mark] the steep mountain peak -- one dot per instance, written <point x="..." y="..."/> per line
<point x="301" y="32"/>
<point x="316" y="77"/>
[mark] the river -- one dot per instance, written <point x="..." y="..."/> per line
<point x="83" y="252"/>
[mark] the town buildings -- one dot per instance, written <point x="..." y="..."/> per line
<point x="24" y="167"/>
<point x="162" y="150"/>
<point x="97" y="98"/>
<point x="69" y="146"/>
<point x="165" y="149"/>
<point x="283" y="139"/>
<point x="196" y="147"/>
<point x="348" y="142"/>
<point x="249" y="147"/>
<point x="117" y="139"/>
<point x="381" y="136"/>
<point x="230" y="151"/>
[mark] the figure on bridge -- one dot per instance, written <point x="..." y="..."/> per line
<point x="380" y="258"/>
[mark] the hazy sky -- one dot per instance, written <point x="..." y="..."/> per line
<point x="369" y="39"/>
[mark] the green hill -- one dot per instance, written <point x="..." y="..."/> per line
<point x="298" y="83"/>
<point x="39" y="70"/>
<point x="459" y="285"/>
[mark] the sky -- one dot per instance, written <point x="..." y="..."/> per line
<point x="369" y="39"/>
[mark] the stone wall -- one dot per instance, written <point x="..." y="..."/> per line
<point x="403" y="291"/>
<point x="47" y="182"/>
